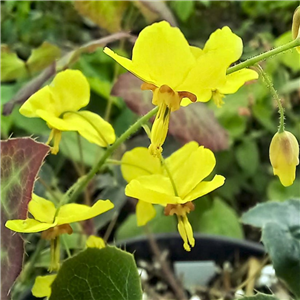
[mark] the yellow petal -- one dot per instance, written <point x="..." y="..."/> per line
<point x="68" y="91"/>
<point x="205" y="187"/>
<point x="144" y="212"/>
<point x="55" y="122"/>
<point x="156" y="189"/>
<point x="95" y="242"/>
<point x="220" y="51"/>
<point x="178" y="157"/>
<point x="206" y="75"/>
<point x="198" y="165"/>
<point x="224" y="44"/>
<point x="28" y="225"/>
<point x="92" y="127"/>
<point x="73" y="212"/>
<point x="139" y="162"/>
<point x="42" y="210"/>
<point x="41" y="100"/>
<point x="42" y="286"/>
<point x="197" y="52"/>
<point x="235" y="80"/>
<point x="161" y="55"/>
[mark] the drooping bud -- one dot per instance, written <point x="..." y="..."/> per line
<point x="296" y="26"/>
<point x="284" y="156"/>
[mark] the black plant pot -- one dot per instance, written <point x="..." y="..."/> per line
<point x="208" y="247"/>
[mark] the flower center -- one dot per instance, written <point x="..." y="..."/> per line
<point x="55" y="231"/>
<point x="167" y="100"/>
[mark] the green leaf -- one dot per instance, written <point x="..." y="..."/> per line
<point x="277" y="192"/>
<point x="98" y="274"/>
<point x="220" y="219"/>
<point x="183" y="9"/>
<point x="91" y="152"/>
<point x="280" y="225"/>
<point x="106" y="14"/>
<point x="260" y="296"/>
<point x="21" y="160"/>
<point x="283" y="246"/>
<point x="247" y="156"/>
<point x="42" y="57"/>
<point x="289" y="58"/>
<point x="12" y="66"/>
<point x="286" y="213"/>
<point x="160" y="224"/>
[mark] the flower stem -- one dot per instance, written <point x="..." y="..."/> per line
<point x="274" y="93"/>
<point x="254" y="60"/>
<point x="77" y="187"/>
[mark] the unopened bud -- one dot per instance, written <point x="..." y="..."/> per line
<point x="296" y="26"/>
<point x="284" y="156"/>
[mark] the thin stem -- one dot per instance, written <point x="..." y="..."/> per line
<point x="254" y="60"/>
<point x="29" y="267"/>
<point x="80" y="153"/>
<point x="169" y="276"/>
<point x="270" y="86"/>
<point x="110" y="227"/>
<point x="66" y="246"/>
<point x="77" y="187"/>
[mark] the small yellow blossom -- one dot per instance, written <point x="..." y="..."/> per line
<point x="54" y="222"/>
<point x="173" y="184"/>
<point x="59" y="103"/>
<point x="42" y="286"/>
<point x="95" y="242"/>
<point x="179" y="74"/>
<point x="284" y="156"/>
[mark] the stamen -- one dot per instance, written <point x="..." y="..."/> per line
<point x="189" y="95"/>
<point x="148" y="86"/>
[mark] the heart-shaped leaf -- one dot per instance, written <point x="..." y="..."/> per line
<point x="98" y="274"/>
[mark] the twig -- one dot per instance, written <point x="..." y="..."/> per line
<point x="173" y="282"/>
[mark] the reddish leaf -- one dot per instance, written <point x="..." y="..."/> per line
<point x="195" y="122"/>
<point x="21" y="159"/>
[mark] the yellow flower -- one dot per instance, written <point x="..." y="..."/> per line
<point x="174" y="184"/>
<point x="59" y="103"/>
<point x="95" y="242"/>
<point x="284" y="156"/>
<point x="54" y="222"/>
<point x="179" y="74"/>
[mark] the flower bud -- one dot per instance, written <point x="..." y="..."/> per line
<point x="296" y="26"/>
<point x="284" y="156"/>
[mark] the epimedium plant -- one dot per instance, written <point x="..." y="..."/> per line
<point x="178" y="75"/>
